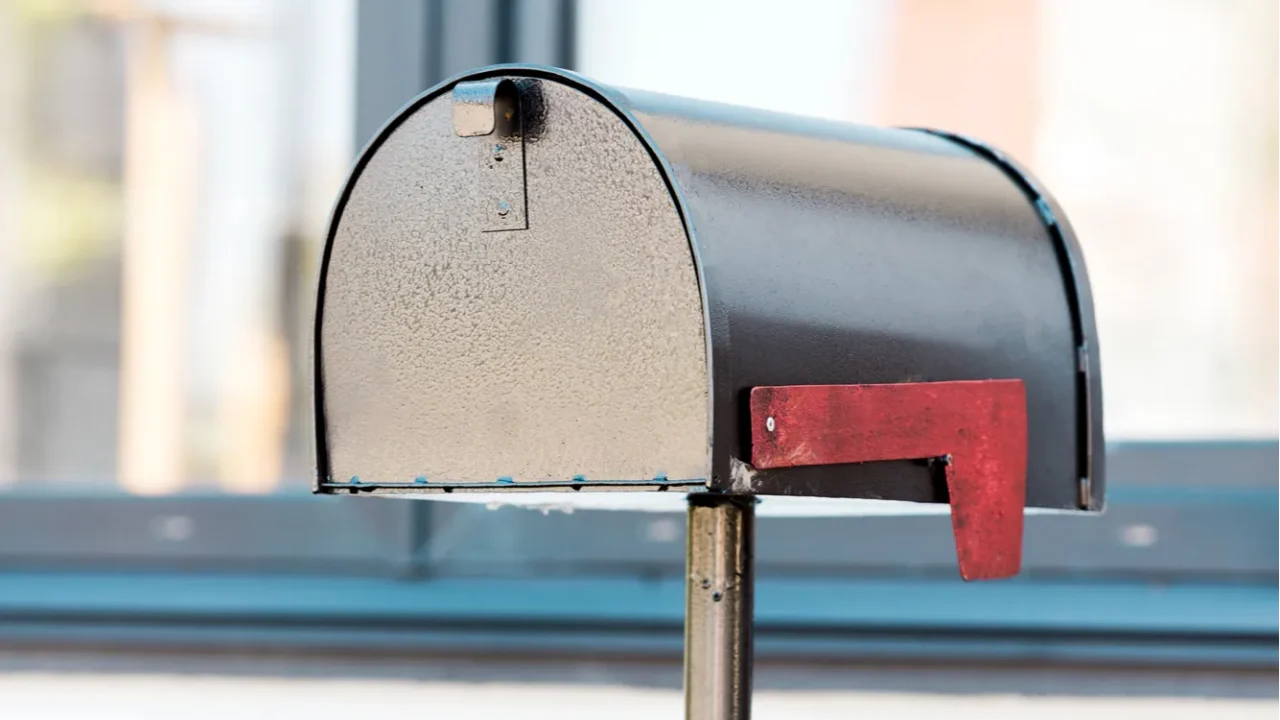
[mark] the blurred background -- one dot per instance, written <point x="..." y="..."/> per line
<point x="166" y="171"/>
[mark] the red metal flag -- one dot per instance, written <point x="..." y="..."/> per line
<point x="979" y="428"/>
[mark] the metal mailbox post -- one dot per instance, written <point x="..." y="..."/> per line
<point x="533" y="283"/>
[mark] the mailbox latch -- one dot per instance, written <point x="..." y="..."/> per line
<point x="487" y="114"/>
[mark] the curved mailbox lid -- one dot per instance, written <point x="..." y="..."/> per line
<point x="834" y="253"/>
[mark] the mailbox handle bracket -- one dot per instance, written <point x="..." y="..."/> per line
<point x="489" y="111"/>
<point x="977" y="429"/>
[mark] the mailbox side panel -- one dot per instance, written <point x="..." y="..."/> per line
<point x="836" y="254"/>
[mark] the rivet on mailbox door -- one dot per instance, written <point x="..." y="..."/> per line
<point x="489" y="112"/>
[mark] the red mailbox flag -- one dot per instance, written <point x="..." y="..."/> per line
<point x="978" y="428"/>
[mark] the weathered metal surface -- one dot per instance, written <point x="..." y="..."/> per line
<point x="719" y="607"/>
<point x="976" y="430"/>
<point x="567" y="355"/>
<point x="502" y="193"/>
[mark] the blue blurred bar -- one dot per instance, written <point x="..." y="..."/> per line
<point x="1099" y="622"/>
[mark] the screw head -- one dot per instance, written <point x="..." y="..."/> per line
<point x="769" y="424"/>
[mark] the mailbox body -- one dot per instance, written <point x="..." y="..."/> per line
<point x="593" y="314"/>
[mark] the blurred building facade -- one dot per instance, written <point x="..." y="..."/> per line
<point x="169" y="166"/>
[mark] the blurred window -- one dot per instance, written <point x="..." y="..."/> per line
<point x="166" y="170"/>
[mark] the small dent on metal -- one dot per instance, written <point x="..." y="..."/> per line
<point x="504" y="208"/>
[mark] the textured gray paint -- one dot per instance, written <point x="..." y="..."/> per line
<point x="574" y="347"/>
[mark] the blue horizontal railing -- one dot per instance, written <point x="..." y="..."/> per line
<point x="1120" y="622"/>
<point x="1182" y="568"/>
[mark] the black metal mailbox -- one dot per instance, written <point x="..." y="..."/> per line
<point x="532" y="281"/>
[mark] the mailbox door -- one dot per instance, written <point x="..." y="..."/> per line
<point x="510" y="303"/>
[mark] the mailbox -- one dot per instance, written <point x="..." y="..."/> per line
<point x="532" y="281"/>
<point x="535" y="283"/>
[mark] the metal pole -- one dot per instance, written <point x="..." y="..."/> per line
<point x="719" y="598"/>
